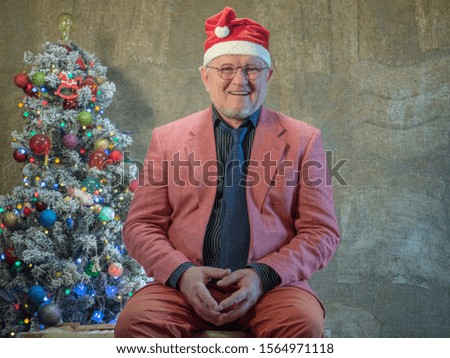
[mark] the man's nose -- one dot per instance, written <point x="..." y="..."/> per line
<point x="240" y="76"/>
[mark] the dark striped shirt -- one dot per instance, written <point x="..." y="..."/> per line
<point x="211" y="247"/>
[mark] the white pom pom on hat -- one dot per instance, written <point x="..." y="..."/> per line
<point x="222" y="32"/>
<point x="228" y="35"/>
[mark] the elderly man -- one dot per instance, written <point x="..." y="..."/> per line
<point x="233" y="214"/>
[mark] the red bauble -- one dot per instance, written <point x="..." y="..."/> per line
<point x="133" y="185"/>
<point x="21" y="80"/>
<point x="40" y="206"/>
<point x="20" y="155"/>
<point x="40" y="144"/>
<point x="28" y="89"/>
<point x="27" y="211"/>
<point x="70" y="104"/>
<point x="9" y="255"/>
<point x="81" y="63"/>
<point x="116" y="155"/>
<point x="90" y="82"/>
<point x="97" y="159"/>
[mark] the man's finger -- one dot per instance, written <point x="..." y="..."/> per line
<point x="214" y="272"/>
<point x="206" y="299"/>
<point x="236" y="298"/>
<point x="233" y="314"/>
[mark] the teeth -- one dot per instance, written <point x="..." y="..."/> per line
<point x="240" y="93"/>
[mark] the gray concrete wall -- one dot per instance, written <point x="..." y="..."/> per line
<point x="373" y="75"/>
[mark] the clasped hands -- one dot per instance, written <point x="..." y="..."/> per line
<point x="244" y="283"/>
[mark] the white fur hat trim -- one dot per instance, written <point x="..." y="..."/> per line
<point x="236" y="48"/>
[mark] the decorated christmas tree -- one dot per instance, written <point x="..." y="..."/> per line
<point x="62" y="257"/>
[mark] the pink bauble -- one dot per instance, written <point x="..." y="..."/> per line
<point x="115" y="269"/>
<point x="70" y="140"/>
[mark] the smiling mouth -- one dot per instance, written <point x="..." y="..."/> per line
<point x="239" y="93"/>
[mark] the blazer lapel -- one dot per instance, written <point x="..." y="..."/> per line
<point x="267" y="151"/>
<point x="201" y="152"/>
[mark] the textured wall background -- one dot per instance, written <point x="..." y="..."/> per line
<point x="373" y="75"/>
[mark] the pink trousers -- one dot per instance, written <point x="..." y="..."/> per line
<point x="159" y="311"/>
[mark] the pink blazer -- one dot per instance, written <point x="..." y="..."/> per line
<point x="290" y="200"/>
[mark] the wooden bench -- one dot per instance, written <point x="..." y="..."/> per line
<point x="75" y="330"/>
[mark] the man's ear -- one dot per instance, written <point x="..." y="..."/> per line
<point x="269" y="74"/>
<point x="205" y="78"/>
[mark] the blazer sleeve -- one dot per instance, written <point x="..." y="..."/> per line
<point x="147" y="223"/>
<point x="316" y="229"/>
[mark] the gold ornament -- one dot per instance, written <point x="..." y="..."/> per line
<point x="65" y="25"/>
<point x="101" y="144"/>
<point x="100" y="80"/>
<point x="9" y="219"/>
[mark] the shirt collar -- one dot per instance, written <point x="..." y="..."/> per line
<point x="253" y="118"/>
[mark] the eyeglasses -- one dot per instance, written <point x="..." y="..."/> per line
<point x="227" y="72"/>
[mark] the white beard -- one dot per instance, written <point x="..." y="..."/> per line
<point x="236" y="113"/>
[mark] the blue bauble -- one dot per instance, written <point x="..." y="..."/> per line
<point x="47" y="218"/>
<point x="70" y="223"/>
<point x="36" y="294"/>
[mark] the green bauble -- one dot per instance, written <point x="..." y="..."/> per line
<point x="48" y="97"/>
<point x="107" y="214"/>
<point x="91" y="269"/>
<point x="38" y="79"/>
<point x="91" y="184"/>
<point x="85" y="118"/>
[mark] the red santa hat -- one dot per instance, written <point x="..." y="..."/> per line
<point x="228" y="35"/>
